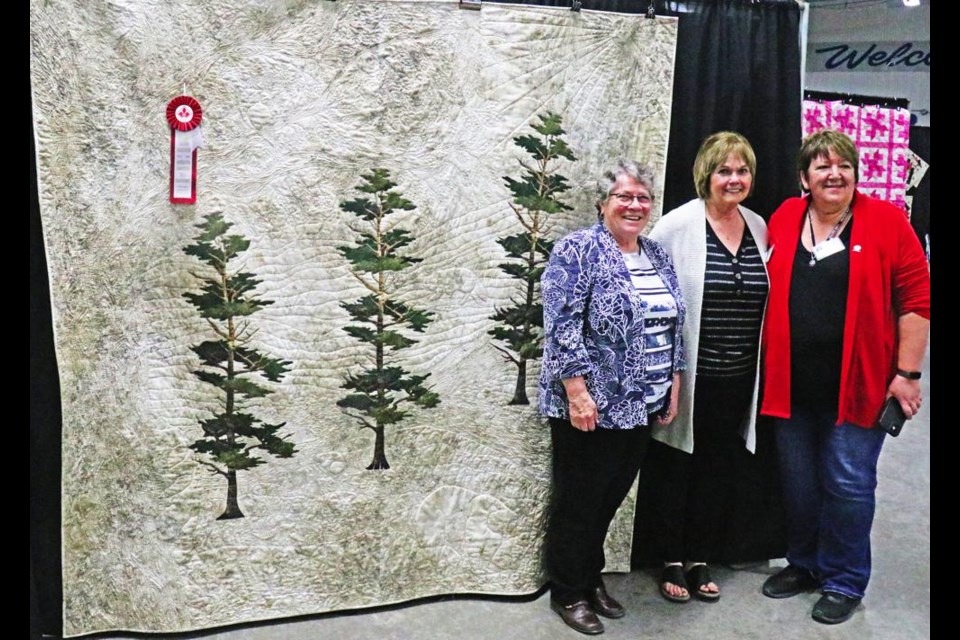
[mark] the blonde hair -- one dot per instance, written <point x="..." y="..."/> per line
<point x="713" y="153"/>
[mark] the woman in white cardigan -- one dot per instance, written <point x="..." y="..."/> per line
<point x="719" y="248"/>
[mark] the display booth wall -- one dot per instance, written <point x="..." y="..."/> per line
<point x="873" y="49"/>
<point x="878" y="53"/>
<point x="302" y="102"/>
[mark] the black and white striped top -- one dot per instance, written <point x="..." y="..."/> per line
<point x="734" y="293"/>
<point x="658" y="327"/>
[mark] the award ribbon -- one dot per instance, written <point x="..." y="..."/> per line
<point x="184" y="115"/>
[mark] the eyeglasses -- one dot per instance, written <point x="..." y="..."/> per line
<point x="626" y="199"/>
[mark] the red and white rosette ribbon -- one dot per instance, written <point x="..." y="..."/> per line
<point x="184" y="115"/>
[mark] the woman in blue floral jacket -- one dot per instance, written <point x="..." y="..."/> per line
<point x="612" y="317"/>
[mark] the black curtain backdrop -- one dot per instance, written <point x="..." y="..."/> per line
<point x="920" y="210"/>
<point x="737" y="68"/>
<point x="46" y="581"/>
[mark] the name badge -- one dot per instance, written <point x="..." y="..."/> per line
<point x="828" y="248"/>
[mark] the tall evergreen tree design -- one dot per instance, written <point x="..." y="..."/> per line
<point x="520" y="329"/>
<point x="381" y="393"/>
<point x="232" y="437"/>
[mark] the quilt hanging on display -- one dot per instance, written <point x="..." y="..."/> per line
<point x="315" y="388"/>
<point x="882" y="136"/>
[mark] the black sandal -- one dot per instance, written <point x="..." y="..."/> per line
<point x="673" y="573"/>
<point x="699" y="577"/>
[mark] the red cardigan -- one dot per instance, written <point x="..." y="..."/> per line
<point x="889" y="277"/>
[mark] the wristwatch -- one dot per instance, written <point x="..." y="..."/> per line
<point x="909" y="375"/>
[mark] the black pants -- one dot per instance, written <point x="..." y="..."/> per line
<point x="592" y="473"/>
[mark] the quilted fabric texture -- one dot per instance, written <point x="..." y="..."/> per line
<point x="882" y="136"/>
<point x="300" y="99"/>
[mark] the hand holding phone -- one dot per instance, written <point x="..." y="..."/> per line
<point x="892" y="417"/>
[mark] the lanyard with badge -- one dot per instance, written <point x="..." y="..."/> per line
<point x="831" y="244"/>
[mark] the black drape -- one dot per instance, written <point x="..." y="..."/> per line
<point x="45" y="576"/>
<point x="920" y="208"/>
<point x="737" y="69"/>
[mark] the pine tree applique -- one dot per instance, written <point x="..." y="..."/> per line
<point x="520" y="328"/>
<point x="382" y="393"/>
<point x="232" y="437"/>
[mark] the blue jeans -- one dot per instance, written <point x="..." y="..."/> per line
<point x="829" y="477"/>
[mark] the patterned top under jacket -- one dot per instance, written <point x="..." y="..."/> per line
<point x="593" y="326"/>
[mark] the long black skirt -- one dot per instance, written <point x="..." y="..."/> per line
<point x="721" y="504"/>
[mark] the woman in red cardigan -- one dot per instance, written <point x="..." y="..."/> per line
<point x="847" y="325"/>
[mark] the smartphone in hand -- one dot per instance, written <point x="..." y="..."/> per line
<point x="892" y="417"/>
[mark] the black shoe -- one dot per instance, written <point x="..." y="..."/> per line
<point x="673" y="573"/>
<point x="603" y="603"/>
<point x="578" y="616"/>
<point x="834" y="608"/>
<point x="788" y="582"/>
<point x="698" y="578"/>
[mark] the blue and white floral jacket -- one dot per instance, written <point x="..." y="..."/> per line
<point x="593" y="326"/>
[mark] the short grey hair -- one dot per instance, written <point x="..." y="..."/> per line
<point x="631" y="168"/>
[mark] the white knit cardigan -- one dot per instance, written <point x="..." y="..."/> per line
<point x="683" y="233"/>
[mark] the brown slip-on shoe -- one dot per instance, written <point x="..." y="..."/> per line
<point x="579" y="616"/>
<point x="603" y="603"/>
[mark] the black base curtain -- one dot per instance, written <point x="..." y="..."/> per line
<point x="920" y="209"/>
<point x="737" y="68"/>
<point x="46" y="581"/>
